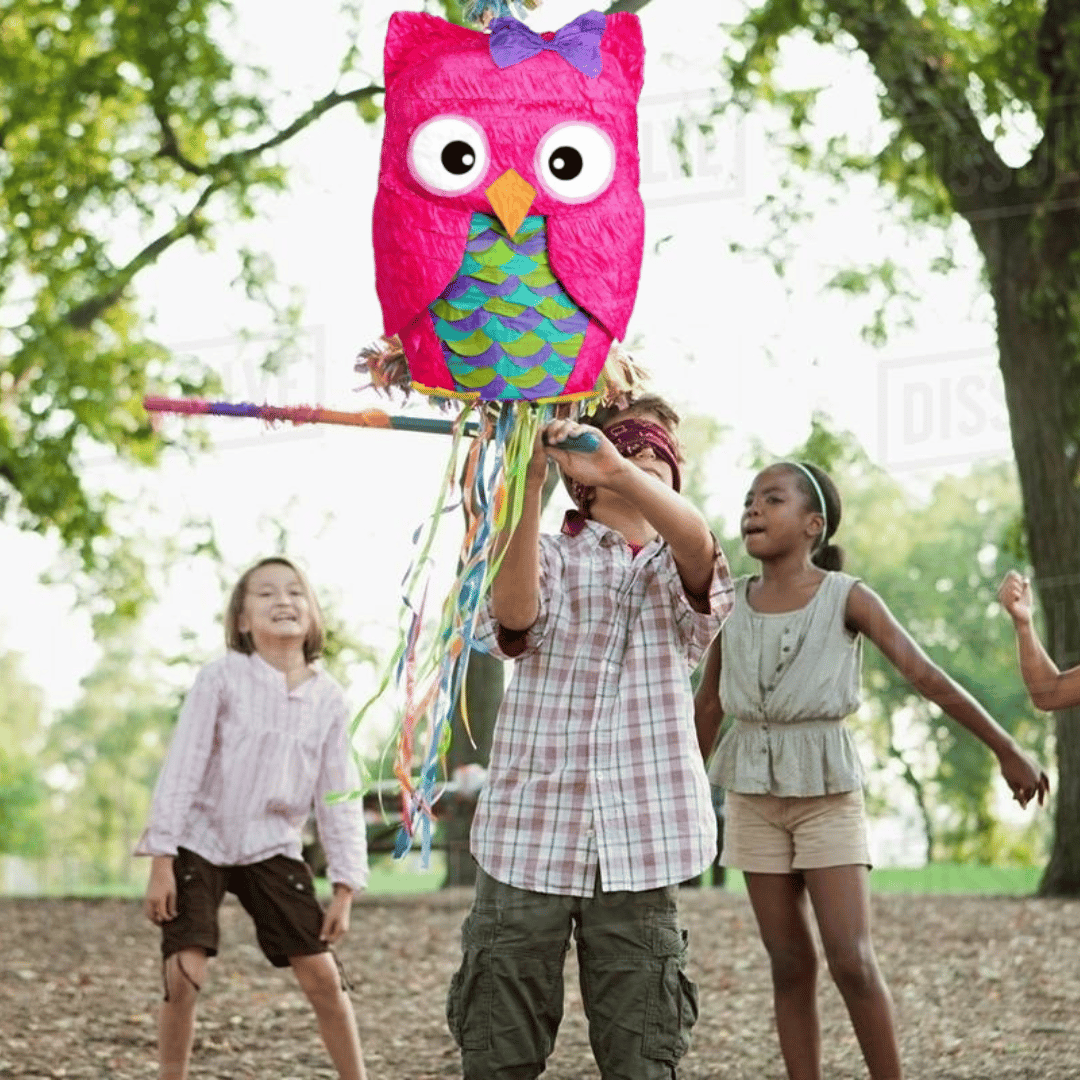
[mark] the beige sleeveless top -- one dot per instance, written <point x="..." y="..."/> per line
<point x="789" y="680"/>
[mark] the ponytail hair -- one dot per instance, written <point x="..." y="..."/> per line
<point x="822" y="497"/>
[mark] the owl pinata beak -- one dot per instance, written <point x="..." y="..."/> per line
<point x="510" y="197"/>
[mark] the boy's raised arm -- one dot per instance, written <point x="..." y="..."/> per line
<point x="671" y="515"/>
<point x="680" y="523"/>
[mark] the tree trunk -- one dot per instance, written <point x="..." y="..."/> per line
<point x="1034" y="345"/>
<point x="483" y="693"/>
<point x="918" y="791"/>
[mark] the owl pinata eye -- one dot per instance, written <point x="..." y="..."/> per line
<point x="458" y="157"/>
<point x="448" y="155"/>
<point x="575" y="162"/>
<point x="566" y="163"/>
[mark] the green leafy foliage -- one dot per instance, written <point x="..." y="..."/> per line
<point x="103" y="756"/>
<point x="22" y="793"/>
<point x="126" y="128"/>
<point x="979" y="104"/>
<point x="940" y="575"/>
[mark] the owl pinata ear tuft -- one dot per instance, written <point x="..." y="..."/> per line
<point x="412" y="36"/>
<point x="624" y="42"/>
<point x="481" y="12"/>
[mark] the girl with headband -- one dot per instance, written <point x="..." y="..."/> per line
<point x="786" y="669"/>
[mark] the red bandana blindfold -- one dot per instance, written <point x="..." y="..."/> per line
<point x="630" y="437"/>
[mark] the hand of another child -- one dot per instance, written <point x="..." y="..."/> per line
<point x="1024" y="776"/>
<point x="160" y="902"/>
<point x="336" y="920"/>
<point x="1014" y="595"/>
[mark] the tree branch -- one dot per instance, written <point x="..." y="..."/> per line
<point x="1058" y="43"/>
<point x="1073" y="464"/>
<point x="83" y="315"/>
<point x="309" y="116"/>
<point x="221" y="174"/>
<point x="918" y="789"/>
<point x="170" y="146"/>
<point x="929" y="97"/>
<point x="1058" y="23"/>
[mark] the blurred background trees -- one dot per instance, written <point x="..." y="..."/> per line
<point x="131" y="130"/>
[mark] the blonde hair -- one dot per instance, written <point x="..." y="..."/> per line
<point x="239" y="641"/>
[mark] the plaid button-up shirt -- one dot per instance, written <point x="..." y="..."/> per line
<point x="595" y="761"/>
<point x="248" y="761"/>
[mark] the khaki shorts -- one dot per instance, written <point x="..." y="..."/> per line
<point x="278" y="893"/>
<point x="773" y="834"/>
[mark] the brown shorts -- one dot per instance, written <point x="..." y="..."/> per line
<point x="772" y="834"/>
<point x="278" y="893"/>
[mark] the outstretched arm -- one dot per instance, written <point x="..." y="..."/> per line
<point x="673" y="517"/>
<point x="708" y="709"/>
<point x="867" y="613"/>
<point x="1049" y="687"/>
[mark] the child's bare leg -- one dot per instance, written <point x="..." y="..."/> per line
<point x="783" y="917"/>
<point x="185" y="974"/>
<point x="841" y="898"/>
<point x="318" y="978"/>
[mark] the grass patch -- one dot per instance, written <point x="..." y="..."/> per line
<point x="958" y="879"/>
<point x="389" y="877"/>
<point x="942" y="878"/>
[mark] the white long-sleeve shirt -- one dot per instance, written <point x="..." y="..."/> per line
<point x="248" y="760"/>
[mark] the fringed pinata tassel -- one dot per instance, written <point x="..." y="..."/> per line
<point x="387" y="369"/>
<point x="481" y="12"/>
<point x="622" y="379"/>
<point x="493" y="492"/>
<point x="384" y="363"/>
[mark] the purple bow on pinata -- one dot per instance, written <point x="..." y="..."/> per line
<point x="578" y="42"/>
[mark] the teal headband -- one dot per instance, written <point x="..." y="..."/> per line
<point x="817" y="491"/>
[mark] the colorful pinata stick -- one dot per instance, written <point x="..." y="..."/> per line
<point x="304" y="414"/>
<point x="308" y="414"/>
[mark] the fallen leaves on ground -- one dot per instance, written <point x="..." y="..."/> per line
<point x="983" y="987"/>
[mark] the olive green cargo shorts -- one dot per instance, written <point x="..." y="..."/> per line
<point x="506" y="1000"/>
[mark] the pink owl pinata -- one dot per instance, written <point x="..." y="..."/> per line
<point x="508" y="227"/>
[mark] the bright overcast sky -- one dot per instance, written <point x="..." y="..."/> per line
<point x="720" y="334"/>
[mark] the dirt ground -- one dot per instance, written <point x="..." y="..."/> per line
<point x="983" y="987"/>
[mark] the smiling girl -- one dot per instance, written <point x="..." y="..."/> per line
<point x="262" y="738"/>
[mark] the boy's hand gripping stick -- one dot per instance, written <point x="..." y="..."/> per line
<point x="587" y="442"/>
